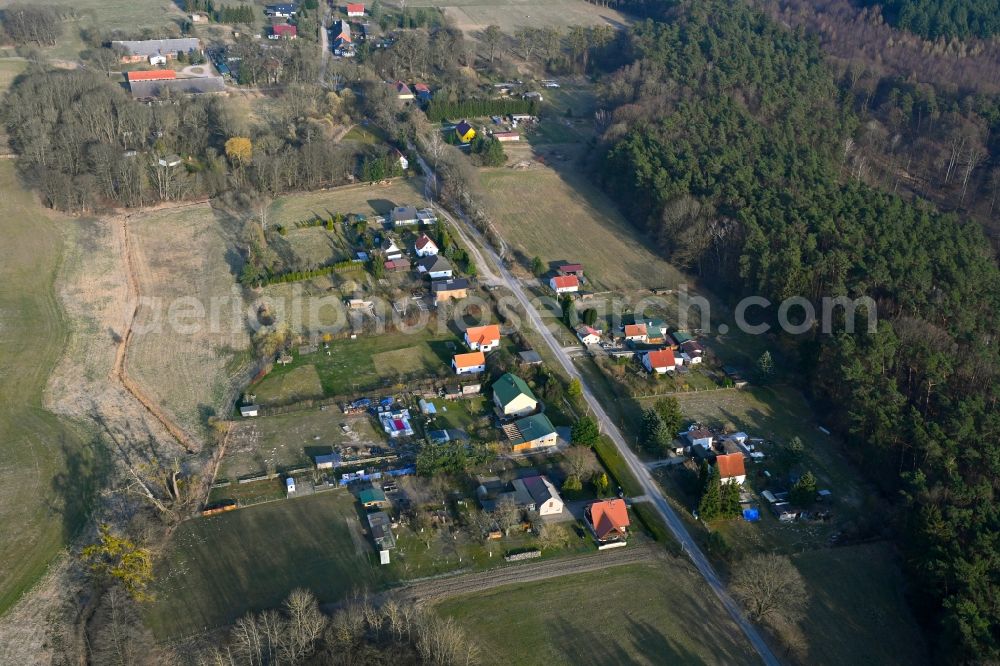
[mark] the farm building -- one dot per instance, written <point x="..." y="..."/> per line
<point x="659" y="361"/>
<point x="565" y="284"/>
<point x="425" y="247"/>
<point x="571" y="269"/>
<point x="506" y="137"/>
<point x="608" y="520"/>
<point x="465" y="132"/>
<point x="327" y="461"/>
<point x="151" y="75"/>
<point x="469" y="363"/>
<point x="159" y="50"/>
<point x="355" y="9"/>
<point x="403" y="216"/>
<point x="381" y="530"/>
<point x="201" y="85"/>
<point x="731" y="468"/>
<point x="249" y="410"/>
<point x="532" y="433"/>
<point x="435" y="267"/>
<point x="449" y="290"/>
<point x="513" y="397"/>
<point x="483" y="338"/>
<point x="283" y="31"/>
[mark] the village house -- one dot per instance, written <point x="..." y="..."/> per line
<point x="699" y="437"/>
<point x="435" y="267"/>
<point x="355" y="9"/>
<point x="469" y="363"/>
<point x="286" y="10"/>
<point x="396" y="423"/>
<point x="425" y="246"/>
<point x="373" y="498"/>
<point x="465" y="132"/>
<point x="423" y="92"/>
<point x="608" y="521"/>
<point x="544" y="495"/>
<point x="588" y="335"/>
<point x="155" y="51"/>
<point x="513" y="397"/>
<point x="659" y="361"/>
<point x="403" y="216"/>
<point x="565" y="284"/>
<point x="380" y="527"/>
<point x="403" y="91"/>
<point x="391" y="249"/>
<point x="483" y="338"/>
<point x="692" y="352"/>
<point x="283" y="31"/>
<point x="449" y="290"/>
<point x="635" y="333"/>
<point x="529" y="357"/>
<point x="732" y="468"/>
<point x="340" y="35"/>
<point x="397" y="265"/>
<point x="532" y="433"/>
<point x="249" y="410"/>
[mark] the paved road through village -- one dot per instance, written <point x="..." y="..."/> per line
<point x="650" y="488"/>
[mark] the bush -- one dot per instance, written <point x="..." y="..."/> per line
<point x="616" y="466"/>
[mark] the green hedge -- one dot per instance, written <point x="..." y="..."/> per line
<point x="654" y="525"/>
<point x="616" y="466"/>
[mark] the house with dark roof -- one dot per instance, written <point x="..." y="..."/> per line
<point x="159" y="50"/>
<point x="380" y="527"/>
<point x="513" y="397"/>
<point x="372" y="498"/>
<point x="435" y="267"/>
<point x="404" y="216"/>
<point x="465" y="132"/>
<point x="202" y="85"/>
<point x="608" y="520"/>
<point x="340" y="37"/>
<point x="449" y="290"/>
<point x="543" y="494"/>
<point x="403" y="91"/>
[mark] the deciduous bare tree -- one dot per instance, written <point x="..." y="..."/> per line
<point x="769" y="585"/>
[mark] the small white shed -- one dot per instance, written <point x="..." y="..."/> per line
<point x="290" y="485"/>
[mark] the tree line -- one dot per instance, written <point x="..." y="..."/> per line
<point x="943" y="18"/>
<point x="725" y="142"/>
<point x="33" y="24"/>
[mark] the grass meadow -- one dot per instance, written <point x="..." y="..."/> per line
<point x="45" y="470"/>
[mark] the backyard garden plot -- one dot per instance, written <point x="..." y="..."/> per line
<point x="640" y="614"/>
<point x="366" y="199"/>
<point x="369" y="362"/>
<point x="272" y="443"/>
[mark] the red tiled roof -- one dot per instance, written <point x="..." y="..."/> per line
<point x="470" y="360"/>
<point x="571" y="268"/>
<point x="483" y="335"/>
<point x="285" y="29"/>
<point x="608" y="516"/>
<point x="731" y="465"/>
<point x="564" y="281"/>
<point x="662" y="358"/>
<point x="355" y="7"/>
<point x="421" y="87"/>
<point x="634" y="330"/>
<point x="423" y="241"/>
<point x="152" y="75"/>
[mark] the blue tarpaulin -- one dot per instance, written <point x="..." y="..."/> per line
<point x="751" y="515"/>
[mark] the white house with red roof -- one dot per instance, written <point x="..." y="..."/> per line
<point x="659" y="361"/>
<point x="469" y="363"/>
<point x="565" y="284"/>
<point x="355" y="9"/>
<point x="483" y="338"/>
<point x="283" y="31"/>
<point x="425" y="246"/>
<point x="588" y="335"/>
<point x="609" y="522"/>
<point x="732" y="468"/>
<point x="636" y="333"/>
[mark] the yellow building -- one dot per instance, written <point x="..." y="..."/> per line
<point x="465" y="132"/>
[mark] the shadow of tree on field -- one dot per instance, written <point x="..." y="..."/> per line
<point x="86" y="470"/>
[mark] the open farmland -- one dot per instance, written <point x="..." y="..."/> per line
<point x="640" y="614"/>
<point x="559" y="217"/>
<point x="220" y="567"/>
<point x="186" y="362"/>
<point x="472" y="16"/>
<point x="41" y="502"/>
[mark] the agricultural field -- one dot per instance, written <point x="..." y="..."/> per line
<point x="472" y="16"/>
<point x="46" y="472"/>
<point x="273" y="443"/>
<point x="190" y="365"/>
<point x="218" y="568"/>
<point x="368" y="362"/>
<point x="645" y="614"/>
<point x="558" y="216"/>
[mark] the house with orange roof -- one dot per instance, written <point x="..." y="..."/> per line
<point x="659" y="361"/>
<point x="609" y="522"/>
<point x="472" y="362"/>
<point x="355" y="9"/>
<point x="636" y="333"/>
<point x="732" y="468"/>
<point x="151" y="75"/>
<point x="565" y="284"/>
<point x="483" y="338"/>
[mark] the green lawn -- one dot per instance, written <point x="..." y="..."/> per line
<point x="220" y="567"/>
<point x="639" y="614"/>
<point x="47" y="475"/>
<point x="298" y="384"/>
<point x="368" y="362"/>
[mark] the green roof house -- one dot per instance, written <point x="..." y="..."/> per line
<point x="372" y="498"/>
<point x="512" y="396"/>
<point x="534" y="432"/>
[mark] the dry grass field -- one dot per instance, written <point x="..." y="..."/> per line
<point x="363" y="198"/>
<point x="473" y="16"/>
<point x="560" y="217"/>
<point x="186" y="362"/>
<point x="636" y="614"/>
